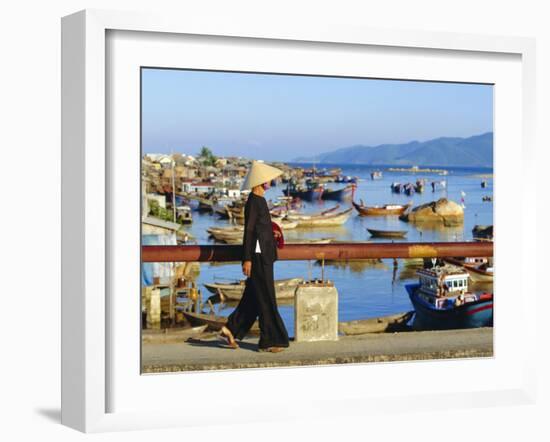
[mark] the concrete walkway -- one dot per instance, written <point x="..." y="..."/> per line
<point x="208" y="353"/>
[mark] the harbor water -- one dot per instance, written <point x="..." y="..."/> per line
<point x="366" y="289"/>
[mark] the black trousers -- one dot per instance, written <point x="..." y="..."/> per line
<point x="258" y="301"/>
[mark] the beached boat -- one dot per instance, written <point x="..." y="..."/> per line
<point x="385" y="210"/>
<point x="284" y="288"/>
<point x="442" y="301"/>
<point x="385" y="324"/>
<point x="387" y="233"/>
<point x="213" y="322"/>
<point x="329" y="219"/>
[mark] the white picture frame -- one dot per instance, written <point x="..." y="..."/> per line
<point x="86" y="215"/>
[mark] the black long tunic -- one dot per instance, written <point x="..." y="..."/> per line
<point x="258" y="300"/>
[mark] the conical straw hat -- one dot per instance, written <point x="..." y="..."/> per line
<point x="259" y="173"/>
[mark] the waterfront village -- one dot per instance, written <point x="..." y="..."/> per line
<point x="177" y="188"/>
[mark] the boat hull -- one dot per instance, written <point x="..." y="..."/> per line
<point x="284" y="289"/>
<point x="386" y="324"/>
<point x="469" y="315"/>
<point x="479" y="275"/>
<point x="214" y="322"/>
<point x="338" y="195"/>
<point x="387" y="233"/>
<point x="306" y="195"/>
<point x="325" y="220"/>
<point x="379" y="211"/>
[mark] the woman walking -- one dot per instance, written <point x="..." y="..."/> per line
<point x="259" y="254"/>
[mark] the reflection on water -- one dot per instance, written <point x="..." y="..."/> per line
<point x="366" y="288"/>
<point x="355" y="265"/>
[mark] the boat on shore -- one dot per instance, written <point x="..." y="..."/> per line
<point x="442" y="301"/>
<point x="387" y="233"/>
<point x="384" y="324"/>
<point x="284" y="289"/>
<point x="213" y="322"/>
<point x="385" y="210"/>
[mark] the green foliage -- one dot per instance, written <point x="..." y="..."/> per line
<point x="159" y="212"/>
<point x="206" y="157"/>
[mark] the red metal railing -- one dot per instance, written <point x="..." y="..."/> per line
<point x="339" y="251"/>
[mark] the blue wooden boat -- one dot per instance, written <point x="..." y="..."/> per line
<point x="312" y="192"/>
<point x="343" y="194"/>
<point x="442" y="301"/>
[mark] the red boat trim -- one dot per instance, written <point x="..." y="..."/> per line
<point x="479" y="309"/>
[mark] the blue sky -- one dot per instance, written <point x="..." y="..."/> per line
<point x="281" y="117"/>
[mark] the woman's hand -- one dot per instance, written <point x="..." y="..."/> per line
<point x="247" y="268"/>
<point x="276" y="234"/>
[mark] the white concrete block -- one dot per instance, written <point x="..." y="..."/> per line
<point x="316" y="314"/>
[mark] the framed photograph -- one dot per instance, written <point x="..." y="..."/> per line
<point x="320" y="214"/>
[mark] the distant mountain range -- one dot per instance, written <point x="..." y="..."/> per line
<point x="476" y="151"/>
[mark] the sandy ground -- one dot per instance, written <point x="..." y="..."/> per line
<point x="208" y="352"/>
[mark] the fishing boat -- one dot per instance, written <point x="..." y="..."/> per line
<point x="438" y="185"/>
<point x="396" y="187"/>
<point x="376" y="175"/>
<point x="419" y="185"/>
<point x="328" y="219"/>
<point x="387" y="233"/>
<point x="479" y="269"/>
<point x="346" y="179"/>
<point x="239" y="240"/>
<point x="409" y="189"/>
<point x="213" y="322"/>
<point x="311" y="241"/>
<point x="284" y="288"/>
<point x="384" y="324"/>
<point x="482" y="232"/>
<point x="184" y="215"/>
<point x="285" y="224"/>
<point x="296" y="216"/>
<point x="442" y="301"/>
<point x="481" y="273"/>
<point x="339" y="194"/>
<point x="385" y="210"/>
<point x="312" y="192"/>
